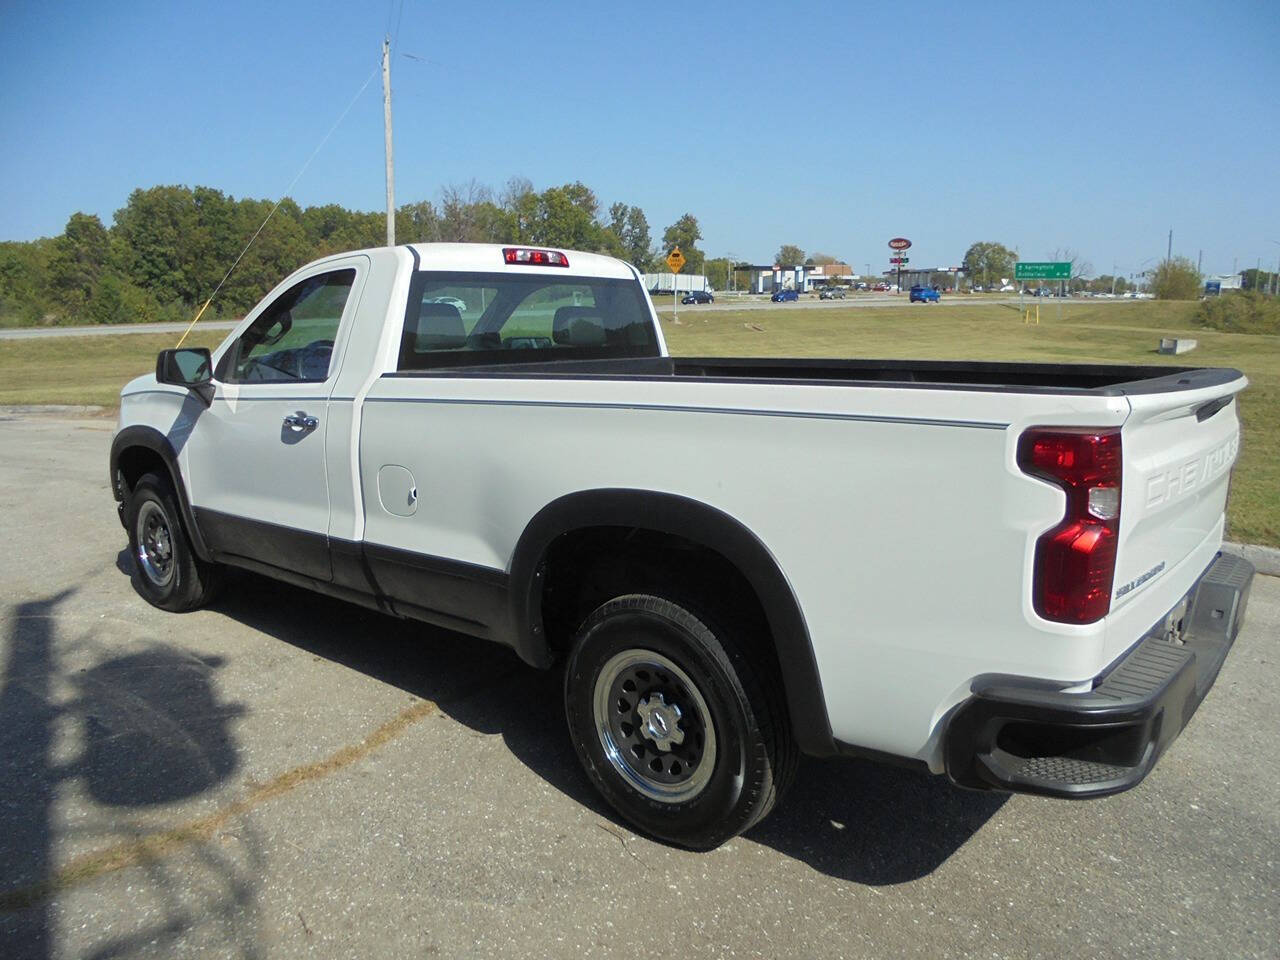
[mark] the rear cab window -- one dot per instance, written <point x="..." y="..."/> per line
<point x="462" y="319"/>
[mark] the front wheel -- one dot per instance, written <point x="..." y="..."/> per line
<point x="169" y="574"/>
<point x="677" y="728"/>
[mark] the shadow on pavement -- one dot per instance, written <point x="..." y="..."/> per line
<point x="481" y="685"/>
<point x="855" y="820"/>
<point x="872" y="823"/>
<point x="139" y="731"/>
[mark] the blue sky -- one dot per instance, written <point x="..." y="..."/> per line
<point x="834" y="127"/>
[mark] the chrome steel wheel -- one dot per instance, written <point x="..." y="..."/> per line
<point x="155" y="544"/>
<point x="654" y="725"/>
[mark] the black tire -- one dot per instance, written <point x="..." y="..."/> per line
<point x="736" y="756"/>
<point x="168" y="574"/>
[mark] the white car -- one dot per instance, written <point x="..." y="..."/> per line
<point x="452" y="301"/>
<point x="1007" y="573"/>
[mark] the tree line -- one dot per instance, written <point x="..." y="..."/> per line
<point x="167" y="249"/>
<point x="1175" y="278"/>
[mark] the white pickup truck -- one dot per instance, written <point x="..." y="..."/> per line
<point x="1008" y="573"/>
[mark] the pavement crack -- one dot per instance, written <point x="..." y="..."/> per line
<point x="622" y="840"/>
<point x="152" y="846"/>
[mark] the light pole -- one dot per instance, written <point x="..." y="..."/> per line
<point x="1141" y="272"/>
<point x="730" y="258"/>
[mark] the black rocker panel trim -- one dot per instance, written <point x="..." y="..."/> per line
<point x="461" y="596"/>
<point x="701" y="524"/>
<point x="285" y="548"/>
<point x="152" y="440"/>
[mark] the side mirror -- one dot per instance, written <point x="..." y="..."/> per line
<point x="190" y="367"/>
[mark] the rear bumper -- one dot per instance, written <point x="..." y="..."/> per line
<point x="1015" y="734"/>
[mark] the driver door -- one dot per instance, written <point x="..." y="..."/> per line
<point x="256" y="457"/>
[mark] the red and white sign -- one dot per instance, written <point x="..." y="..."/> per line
<point x="899" y="243"/>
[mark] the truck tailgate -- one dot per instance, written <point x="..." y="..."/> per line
<point x="1178" y="450"/>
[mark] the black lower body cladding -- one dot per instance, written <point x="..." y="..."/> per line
<point x="1013" y="734"/>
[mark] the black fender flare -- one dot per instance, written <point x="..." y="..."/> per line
<point x="151" y="439"/>
<point x="707" y="526"/>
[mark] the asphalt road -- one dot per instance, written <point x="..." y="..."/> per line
<point x="107" y="330"/>
<point x="663" y="303"/>
<point x="866" y="301"/>
<point x="282" y="775"/>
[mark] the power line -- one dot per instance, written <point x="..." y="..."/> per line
<point x="342" y="116"/>
<point x="395" y="37"/>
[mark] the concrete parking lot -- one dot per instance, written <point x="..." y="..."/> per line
<point x="284" y="775"/>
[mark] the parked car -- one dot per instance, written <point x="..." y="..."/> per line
<point x="831" y="293"/>
<point x="1008" y="573"/>
<point x="782" y="296"/>
<point x="698" y="296"/>
<point x="881" y="288"/>
<point x="925" y="295"/>
<point x="452" y="301"/>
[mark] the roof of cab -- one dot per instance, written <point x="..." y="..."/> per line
<point x="488" y="258"/>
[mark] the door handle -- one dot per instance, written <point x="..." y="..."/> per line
<point x="300" y="421"/>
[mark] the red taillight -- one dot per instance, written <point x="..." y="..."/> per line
<point x="529" y="257"/>
<point x="1076" y="560"/>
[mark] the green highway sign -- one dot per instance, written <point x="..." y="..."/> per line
<point x="1047" y="270"/>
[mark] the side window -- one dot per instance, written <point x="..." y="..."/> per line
<point x="292" y="340"/>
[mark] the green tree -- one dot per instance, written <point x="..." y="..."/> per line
<point x="566" y="217"/>
<point x="631" y="228"/>
<point x="116" y="300"/>
<point x="685" y="234"/>
<point x="155" y="230"/>
<point x="460" y="213"/>
<point x="417" y="223"/>
<point x="822" y="259"/>
<point x="1176" y="279"/>
<point x="1255" y="279"/>
<point x="520" y="203"/>
<point x="717" y="271"/>
<point x="636" y="239"/>
<point x="988" y="262"/>
<point x="77" y="260"/>
<point x="24" y="272"/>
<point x="1104" y="283"/>
<point x="789" y="255"/>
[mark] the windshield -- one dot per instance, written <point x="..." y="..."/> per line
<point x="483" y="318"/>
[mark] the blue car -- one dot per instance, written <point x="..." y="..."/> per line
<point x="782" y="296"/>
<point x="925" y="295"/>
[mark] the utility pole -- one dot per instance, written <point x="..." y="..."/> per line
<point x="1169" y="255"/>
<point x="1199" y="260"/>
<point x="386" y="124"/>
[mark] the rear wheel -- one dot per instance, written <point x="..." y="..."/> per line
<point x="169" y="574"/>
<point x="679" y="731"/>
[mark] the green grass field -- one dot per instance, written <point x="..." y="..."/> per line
<point x="91" y="370"/>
